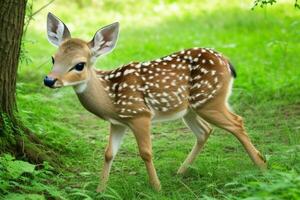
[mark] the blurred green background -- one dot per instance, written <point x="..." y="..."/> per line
<point x="263" y="44"/>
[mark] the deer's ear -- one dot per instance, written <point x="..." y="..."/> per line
<point x="104" y="40"/>
<point x="57" y="31"/>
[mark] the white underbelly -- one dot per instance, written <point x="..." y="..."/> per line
<point x="159" y="117"/>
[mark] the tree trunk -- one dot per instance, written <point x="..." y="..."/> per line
<point x="12" y="13"/>
<point x="14" y="137"/>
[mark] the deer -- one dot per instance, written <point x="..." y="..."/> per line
<point x="192" y="84"/>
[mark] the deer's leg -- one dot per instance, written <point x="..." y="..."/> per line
<point x="115" y="139"/>
<point x="201" y="130"/>
<point x="141" y="130"/>
<point x="233" y="123"/>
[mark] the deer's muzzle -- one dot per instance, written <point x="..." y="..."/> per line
<point x="49" y="81"/>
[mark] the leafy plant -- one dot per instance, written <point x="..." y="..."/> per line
<point x="21" y="180"/>
<point x="271" y="185"/>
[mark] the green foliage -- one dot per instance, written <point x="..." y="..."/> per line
<point x="28" y="13"/>
<point x="24" y="54"/>
<point x="17" y="167"/>
<point x="7" y="125"/>
<point x="263" y="3"/>
<point x="271" y="185"/>
<point x="21" y="180"/>
<point x="297" y="5"/>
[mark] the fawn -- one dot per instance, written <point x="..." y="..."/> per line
<point x="193" y="84"/>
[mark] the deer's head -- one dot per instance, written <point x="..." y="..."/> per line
<point x="74" y="58"/>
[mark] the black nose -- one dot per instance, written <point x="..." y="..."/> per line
<point x="48" y="81"/>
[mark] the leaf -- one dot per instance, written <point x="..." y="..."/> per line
<point x="80" y="194"/>
<point x="85" y="173"/>
<point x="16" y="196"/>
<point x="17" y="167"/>
<point x="111" y="194"/>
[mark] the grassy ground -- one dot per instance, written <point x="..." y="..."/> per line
<point x="264" y="45"/>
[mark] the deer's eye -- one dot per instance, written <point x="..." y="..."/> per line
<point x="79" y="66"/>
<point x="52" y="60"/>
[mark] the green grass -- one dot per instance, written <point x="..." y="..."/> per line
<point x="264" y="45"/>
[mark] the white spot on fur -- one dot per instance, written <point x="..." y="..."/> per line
<point x="118" y="74"/>
<point x="168" y="58"/>
<point x="128" y="71"/>
<point x="146" y="63"/>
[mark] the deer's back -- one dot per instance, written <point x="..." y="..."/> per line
<point x="167" y="85"/>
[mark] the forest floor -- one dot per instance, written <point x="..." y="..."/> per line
<point x="263" y="44"/>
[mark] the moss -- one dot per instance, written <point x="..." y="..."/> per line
<point x="20" y="141"/>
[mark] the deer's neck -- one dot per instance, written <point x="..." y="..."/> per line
<point x="94" y="98"/>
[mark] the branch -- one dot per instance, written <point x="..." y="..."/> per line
<point x="41" y="8"/>
<point x="30" y="17"/>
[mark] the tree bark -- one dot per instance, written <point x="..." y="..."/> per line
<point x="14" y="137"/>
<point x="12" y="14"/>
